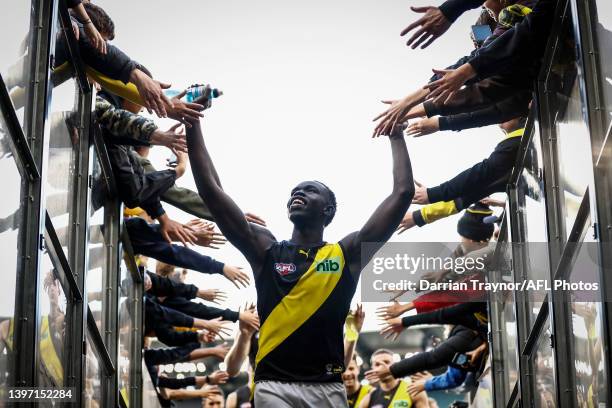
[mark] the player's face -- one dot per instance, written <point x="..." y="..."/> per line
<point x="308" y="202"/>
<point x="350" y="376"/>
<point x="382" y="360"/>
<point x="214" y="401"/>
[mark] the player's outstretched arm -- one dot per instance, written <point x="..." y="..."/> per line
<point x="251" y="241"/>
<point x="390" y="212"/>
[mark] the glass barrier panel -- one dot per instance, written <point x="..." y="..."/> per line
<point x="11" y="227"/>
<point x="544" y="372"/>
<point x="532" y="205"/>
<point x="587" y="325"/>
<point x="603" y="27"/>
<point x="62" y="131"/>
<point x="94" y="378"/>
<point x="15" y="53"/>
<point x="126" y="333"/>
<point x="97" y="245"/>
<point x="52" y="330"/>
<point x="575" y="159"/>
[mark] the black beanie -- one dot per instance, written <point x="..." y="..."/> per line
<point x="472" y="226"/>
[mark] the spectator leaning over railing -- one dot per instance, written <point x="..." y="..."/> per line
<point x="471" y="185"/>
<point x="509" y="91"/>
<point x="182" y="303"/>
<point x="122" y="127"/>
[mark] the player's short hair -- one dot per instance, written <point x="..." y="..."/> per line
<point x="332" y="202"/>
<point x="381" y="351"/>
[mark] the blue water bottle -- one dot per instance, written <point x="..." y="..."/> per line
<point x="196" y="91"/>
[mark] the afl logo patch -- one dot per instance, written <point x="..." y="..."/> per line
<point x="284" y="269"/>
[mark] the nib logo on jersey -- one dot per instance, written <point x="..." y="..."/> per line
<point x="329" y="265"/>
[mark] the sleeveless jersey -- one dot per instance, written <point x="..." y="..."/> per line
<point x="303" y="297"/>
<point x="397" y="397"/>
<point x="355" y="399"/>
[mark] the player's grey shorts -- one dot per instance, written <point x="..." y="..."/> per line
<point x="299" y="395"/>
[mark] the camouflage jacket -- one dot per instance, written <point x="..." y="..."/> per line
<point x="122" y="123"/>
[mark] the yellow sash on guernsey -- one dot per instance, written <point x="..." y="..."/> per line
<point x="363" y="391"/>
<point x="49" y="355"/>
<point x="401" y="398"/>
<point x="124" y="394"/>
<point x="304" y="299"/>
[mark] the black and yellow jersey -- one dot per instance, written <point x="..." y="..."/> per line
<point x="355" y="399"/>
<point x="397" y="397"/>
<point x="303" y="297"/>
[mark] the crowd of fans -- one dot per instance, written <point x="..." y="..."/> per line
<point x="491" y="84"/>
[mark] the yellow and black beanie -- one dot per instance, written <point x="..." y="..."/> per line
<point x="472" y="226"/>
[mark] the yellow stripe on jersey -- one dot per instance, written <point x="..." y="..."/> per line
<point x="365" y="389"/>
<point x="401" y="398"/>
<point x="303" y="300"/>
<point x="48" y="354"/>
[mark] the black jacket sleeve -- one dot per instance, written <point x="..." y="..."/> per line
<point x="461" y="340"/>
<point x="169" y="287"/>
<point x="200" y="310"/>
<point x="175" y="383"/>
<point x="460" y="314"/>
<point x="522" y="45"/>
<point x="509" y="108"/>
<point x="115" y="63"/>
<point x="157" y="315"/>
<point x="73" y="3"/>
<point x="452" y="9"/>
<point x="494" y="170"/>
<point x="147" y="240"/>
<point x="171" y="337"/>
